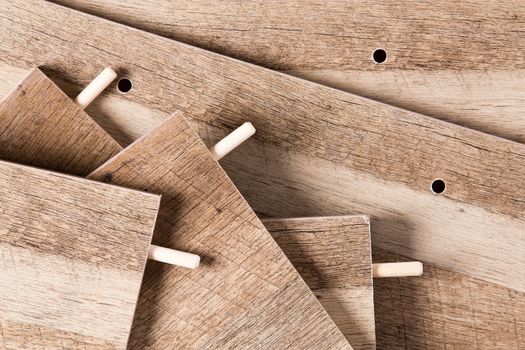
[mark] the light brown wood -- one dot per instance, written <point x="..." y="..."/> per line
<point x="245" y="294"/>
<point x="102" y="139"/>
<point x="42" y="127"/>
<point x="317" y="151"/>
<point x="72" y="257"/>
<point x="446" y="310"/>
<point x="333" y="255"/>
<point x="459" y="61"/>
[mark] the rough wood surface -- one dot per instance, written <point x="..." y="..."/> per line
<point x="72" y="257"/>
<point x="446" y="310"/>
<point x="246" y="294"/>
<point x="317" y="151"/>
<point x="333" y="255"/>
<point x="461" y="61"/>
<point x="40" y="126"/>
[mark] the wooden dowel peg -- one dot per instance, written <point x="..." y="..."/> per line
<point x="232" y="141"/>
<point x="96" y="87"/>
<point x="173" y="257"/>
<point x="398" y="269"/>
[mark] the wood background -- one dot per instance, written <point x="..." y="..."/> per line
<point x="40" y="126"/>
<point x="246" y="293"/>
<point x="72" y="257"/>
<point x="334" y="257"/>
<point x="317" y="151"/>
<point x="460" y="61"/>
<point x="37" y="106"/>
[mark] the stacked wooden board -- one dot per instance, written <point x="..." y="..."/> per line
<point x="246" y="283"/>
<point x="354" y="156"/>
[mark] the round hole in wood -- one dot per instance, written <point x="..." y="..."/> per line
<point x="379" y="56"/>
<point x="438" y="186"/>
<point x="124" y="85"/>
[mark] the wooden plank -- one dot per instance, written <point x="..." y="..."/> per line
<point x="333" y="255"/>
<point x="245" y="294"/>
<point x="40" y="126"/>
<point x="381" y="149"/>
<point x="317" y="151"/>
<point x="72" y="256"/>
<point x="69" y="145"/>
<point x="446" y="310"/>
<point x="462" y="62"/>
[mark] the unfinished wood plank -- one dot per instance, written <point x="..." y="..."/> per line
<point x="462" y="62"/>
<point x="103" y="139"/>
<point x="317" y="151"/>
<point x="333" y="255"/>
<point x="335" y="162"/>
<point x="72" y="257"/>
<point x="42" y="127"/>
<point x="446" y="310"/>
<point x="246" y="294"/>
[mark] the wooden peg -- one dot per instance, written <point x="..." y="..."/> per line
<point x="96" y="87"/>
<point x="398" y="269"/>
<point x="232" y="141"/>
<point x="173" y="257"/>
<point x="165" y="255"/>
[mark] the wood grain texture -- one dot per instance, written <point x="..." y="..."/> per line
<point x="333" y="255"/>
<point x="72" y="256"/>
<point x="69" y="145"/>
<point x="462" y="62"/>
<point x="40" y="126"/>
<point x="446" y="310"/>
<point x="317" y="151"/>
<point x="245" y="294"/>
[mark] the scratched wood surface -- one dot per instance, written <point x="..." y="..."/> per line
<point x="461" y="61"/>
<point x="444" y="309"/>
<point x="69" y="145"/>
<point x="246" y="293"/>
<point x="40" y="126"/>
<point x="317" y="151"/>
<point x="333" y="255"/>
<point x="72" y="257"/>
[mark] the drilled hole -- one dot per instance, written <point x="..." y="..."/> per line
<point x="379" y="56"/>
<point x="438" y="186"/>
<point x="124" y="85"/>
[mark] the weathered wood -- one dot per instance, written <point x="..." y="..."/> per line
<point x="40" y="126"/>
<point x="446" y="310"/>
<point x="72" y="257"/>
<point x="333" y="255"/>
<point x="330" y="151"/>
<point x="459" y="61"/>
<point x="246" y="294"/>
<point x="102" y="139"/>
<point x="317" y="151"/>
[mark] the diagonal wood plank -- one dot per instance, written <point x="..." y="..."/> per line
<point x="69" y="145"/>
<point x="444" y="309"/>
<point x="325" y="163"/>
<point x="42" y="127"/>
<point x="333" y="255"/>
<point x="318" y="151"/>
<point x="72" y="257"/>
<point x="246" y="294"/>
<point x="468" y="71"/>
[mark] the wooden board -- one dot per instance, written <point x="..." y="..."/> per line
<point x="72" y="256"/>
<point x="246" y="294"/>
<point x="333" y="255"/>
<point x="69" y="145"/>
<point x="317" y="151"/>
<point x="459" y="61"/>
<point x="42" y="127"/>
<point x="446" y="310"/>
